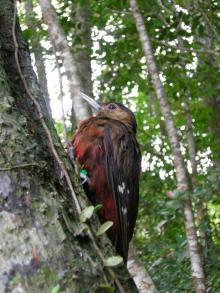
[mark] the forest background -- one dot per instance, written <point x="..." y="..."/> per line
<point x="111" y="64"/>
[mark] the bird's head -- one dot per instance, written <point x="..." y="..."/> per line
<point x="115" y="111"/>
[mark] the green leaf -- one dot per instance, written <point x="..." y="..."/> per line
<point x="113" y="261"/>
<point x="173" y="205"/>
<point x="104" y="227"/>
<point x="27" y="34"/>
<point x="177" y="194"/>
<point x="107" y="288"/>
<point x="55" y="289"/>
<point x="86" y="214"/>
<point x="98" y="207"/>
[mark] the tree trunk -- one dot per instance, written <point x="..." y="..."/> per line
<point x="81" y="108"/>
<point x="38" y="53"/>
<point x="82" y="43"/>
<point x="196" y="263"/>
<point x="80" y="16"/>
<point x="200" y="204"/>
<point x="138" y="272"/>
<point x="42" y="248"/>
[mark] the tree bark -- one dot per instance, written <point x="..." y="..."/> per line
<point x="80" y="33"/>
<point x="42" y="248"/>
<point x="82" y="43"/>
<point x="138" y="272"/>
<point x="81" y="108"/>
<point x="196" y="263"/>
<point x="37" y="50"/>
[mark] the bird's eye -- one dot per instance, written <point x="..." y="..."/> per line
<point x="112" y="107"/>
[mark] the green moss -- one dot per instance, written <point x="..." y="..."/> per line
<point x="15" y="280"/>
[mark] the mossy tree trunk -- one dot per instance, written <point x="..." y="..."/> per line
<point x="40" y="247"/>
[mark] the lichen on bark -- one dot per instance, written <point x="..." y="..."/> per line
<point x="39" y="249"/>
<point x="33" y="236"/>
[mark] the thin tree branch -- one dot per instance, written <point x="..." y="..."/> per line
<point x="138" y="272"/>
<point x="185" y="50"/>
<point x="208" y="22"/>
<point x="33" y="164"/>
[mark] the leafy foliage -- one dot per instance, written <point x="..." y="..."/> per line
<point x="104" y="227"/>
<point x="113" y="261"/>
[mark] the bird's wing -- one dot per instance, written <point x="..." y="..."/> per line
<point x="123" y="160"/>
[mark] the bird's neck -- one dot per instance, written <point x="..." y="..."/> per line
<point x="129" y="124"/>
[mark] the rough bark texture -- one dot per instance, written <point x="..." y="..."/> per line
<point x="196" y="263"/>
<point x="38" y="52"/>
<point x="81" y="108"/>
<point x="82" y="43"/>
<point x="201" y="211"/>
<point x="138" y="272"/>
<point x="41" y="245"/>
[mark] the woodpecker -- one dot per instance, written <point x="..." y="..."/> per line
<point x="106" y="148"/>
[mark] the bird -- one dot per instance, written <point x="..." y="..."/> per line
<point x="107" y="151"/>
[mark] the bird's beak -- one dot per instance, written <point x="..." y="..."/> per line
<point x="91" y="102"/>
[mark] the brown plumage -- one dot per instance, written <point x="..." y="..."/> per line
<point x="106" y="146"/>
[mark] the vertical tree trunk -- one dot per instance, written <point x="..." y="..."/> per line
<point x="82" y="43"/>
<point x="138" y="272"/>
<point x="200" y="205"/>
<point x="196" y="263"/>
<point x="38" y="53"/>
<point x="201" y="210"/>
<point x="81" y="108"/>
<point x="42" y="248"/>
<point x="80" y="16"/>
